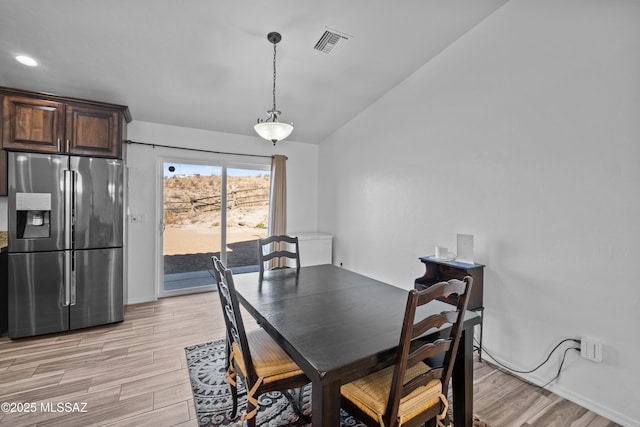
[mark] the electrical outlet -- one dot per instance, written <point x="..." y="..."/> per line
<point x="591" y="349"/>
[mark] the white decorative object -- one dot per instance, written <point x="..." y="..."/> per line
<point x="442" y="252"/>
<point x="465" y="248"/>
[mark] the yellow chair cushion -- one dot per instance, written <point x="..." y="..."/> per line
<point x="371" y="394"/>
<point x="269" y="359"/>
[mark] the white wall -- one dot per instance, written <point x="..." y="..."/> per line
<point x="526" y="134"/>
<point x="144" y="174"/>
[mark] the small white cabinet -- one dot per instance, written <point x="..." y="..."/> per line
<point x="315" y="248"/>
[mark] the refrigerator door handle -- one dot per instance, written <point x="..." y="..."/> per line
<point x="68" y="208"/>
<point x="67" y="278"/>
<point x="73" y="278"/>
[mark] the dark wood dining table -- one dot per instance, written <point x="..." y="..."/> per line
<point x="338" y="325"/>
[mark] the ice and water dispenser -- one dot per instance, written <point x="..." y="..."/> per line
<point x="33" y="215"/>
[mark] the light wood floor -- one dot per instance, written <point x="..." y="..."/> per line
<point x="134" y="374"/>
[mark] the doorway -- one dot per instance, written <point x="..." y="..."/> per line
<point x="210" y="209"/>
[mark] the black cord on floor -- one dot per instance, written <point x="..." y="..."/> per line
<point x="560" y="368"/>
<point x="485" y="352"/>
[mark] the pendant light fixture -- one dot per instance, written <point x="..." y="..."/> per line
<point x="270" y="128"/>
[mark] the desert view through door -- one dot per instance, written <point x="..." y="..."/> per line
<point x="195" y="225"/>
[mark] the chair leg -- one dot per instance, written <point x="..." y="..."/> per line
<point x="251" y="422"/>
<point x="295" y="399"/>
<point x="234" y="387"/>
<point x="234" y="396"/>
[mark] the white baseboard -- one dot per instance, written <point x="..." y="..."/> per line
<point x="140" y="300"/>
<point x="582" y="401"/>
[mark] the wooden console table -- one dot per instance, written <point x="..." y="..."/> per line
<point x="438" y="270"/>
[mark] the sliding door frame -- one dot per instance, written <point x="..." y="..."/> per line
<point x="206" y="159"/>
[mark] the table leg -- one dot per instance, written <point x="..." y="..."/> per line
<point x="462" y="381"/>
<point x="481" y="331"/>
<point x="325" y="404"/>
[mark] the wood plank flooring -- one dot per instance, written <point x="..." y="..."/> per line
<point x="134" y="373"/>
<point x="501" y="399"/>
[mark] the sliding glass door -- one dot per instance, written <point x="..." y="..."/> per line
<point x="247" y="216"/>
<point x="208" y="210"/>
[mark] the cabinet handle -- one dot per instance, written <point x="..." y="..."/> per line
<point x="59" y="144"/>
<point x="67" y="150"/>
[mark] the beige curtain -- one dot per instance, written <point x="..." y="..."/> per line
<point x="278" y="203"/>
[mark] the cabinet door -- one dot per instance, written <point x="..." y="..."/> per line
<point x="93" y="131"/>
<point x="32" y="124"/>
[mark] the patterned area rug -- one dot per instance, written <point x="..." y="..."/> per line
<point x="212" y="395"/>
<point x="213" y="403"/>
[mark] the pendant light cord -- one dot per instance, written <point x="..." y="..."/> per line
<point x="274" y="78"/>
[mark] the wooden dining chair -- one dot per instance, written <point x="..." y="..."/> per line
<point x="262" y="363"/>
<point x="275" y="250"/>
<point x="412" y="393"/>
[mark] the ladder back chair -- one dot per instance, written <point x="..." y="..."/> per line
<point x="275" y="250"/>
<point x="412" y="393"/>
<point x="262" y="363"/>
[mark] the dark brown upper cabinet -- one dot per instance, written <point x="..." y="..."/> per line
<point x="32" y="124"/>
<point x="45" y="123"/>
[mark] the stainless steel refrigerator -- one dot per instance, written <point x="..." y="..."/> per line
<point x="65" y="243"/>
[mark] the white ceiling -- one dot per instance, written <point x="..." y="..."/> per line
<point x="207" y="63"/>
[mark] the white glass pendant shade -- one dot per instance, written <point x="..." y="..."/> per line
<point x="273" y="131"/>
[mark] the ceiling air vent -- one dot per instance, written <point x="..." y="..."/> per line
<point x="330" y="40"/>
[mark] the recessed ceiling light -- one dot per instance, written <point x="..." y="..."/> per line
<point x="27" y="60"/>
